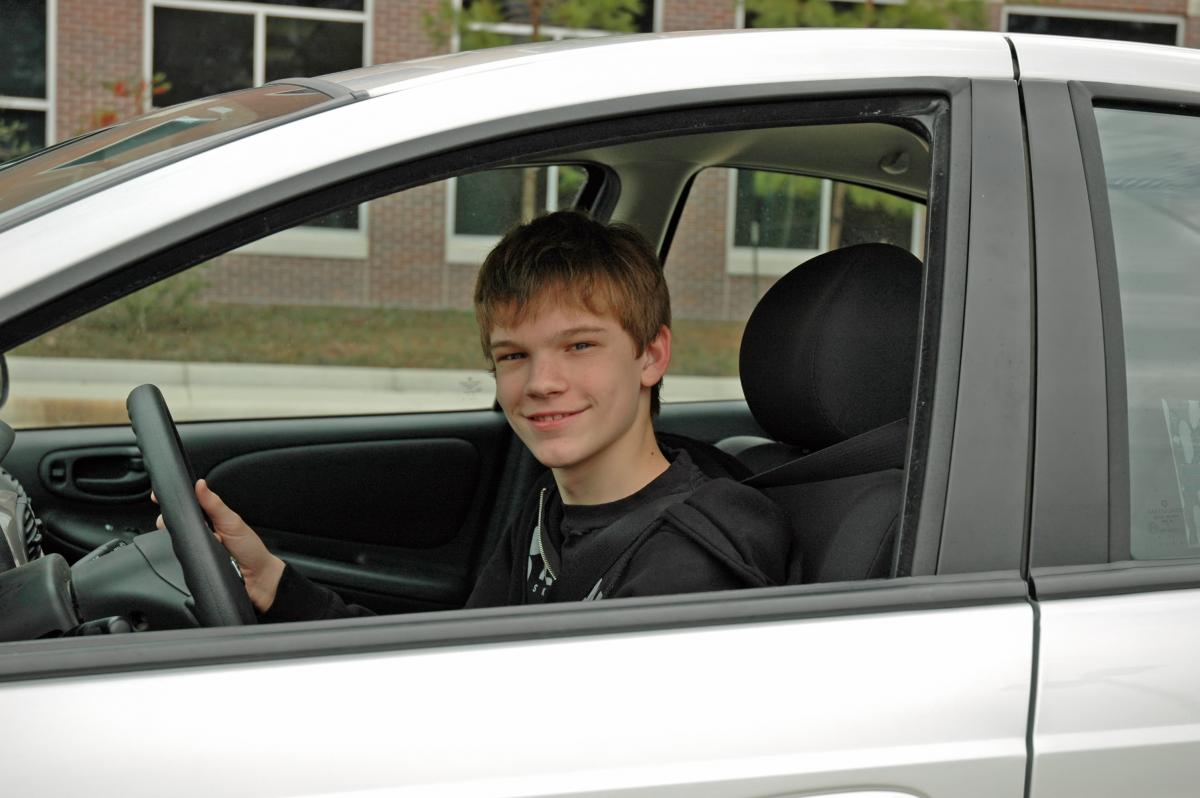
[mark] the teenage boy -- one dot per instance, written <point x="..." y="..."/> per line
<point x="574" y="316"/>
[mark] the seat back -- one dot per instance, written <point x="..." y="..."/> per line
<point x="827" y="360"/>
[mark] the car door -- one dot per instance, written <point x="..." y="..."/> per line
<point x="1114" y="528"/>
<point x="1114" y="531"/>
<point x="915" y="685"/>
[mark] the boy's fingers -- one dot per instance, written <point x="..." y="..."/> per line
<point x="160" y="523"/>
<point x="212" y="504"/>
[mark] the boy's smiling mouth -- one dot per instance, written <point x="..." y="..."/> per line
<point x="551" y="420"/>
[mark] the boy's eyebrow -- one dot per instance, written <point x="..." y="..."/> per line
<point x="503" y="342"/>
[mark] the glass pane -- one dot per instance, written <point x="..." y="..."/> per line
<point x="1152" y="166"/>
<point x="489" y="203"/>
<point x="21" y="132"/>
<point x="870" y="216"/>
<point x="620" y="16"/>
<point x="1128" y="30"/>
<point x="777" y="210"/>
<point x="202" y="53"/>
<point x="337" y="5"/>
<point x="23" y="48"/>
<point x="309" y="47"/>
<point x="90" y="156"/>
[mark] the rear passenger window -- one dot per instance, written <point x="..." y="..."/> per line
<point x="1152" y="168"/>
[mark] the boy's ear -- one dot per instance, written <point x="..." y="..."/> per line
<point x="656" y="357"/>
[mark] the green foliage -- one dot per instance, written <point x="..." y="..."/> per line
<point x="870" y="199"/>
<point x="440" y="25"/>
<point x="612" y="15"/>
<point x="965" y="14"/>
<point x="12" y="143"/>
<point x="471" y="22"/>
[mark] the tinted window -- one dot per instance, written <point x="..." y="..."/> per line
<point x="1152" y="167"/>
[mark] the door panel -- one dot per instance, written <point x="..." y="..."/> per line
<point x="931" y="703"/>
<point x="1118" y="703"/>
<point x="389" y="510"/>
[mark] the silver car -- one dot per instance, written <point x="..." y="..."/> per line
<point x="997" y="595"/>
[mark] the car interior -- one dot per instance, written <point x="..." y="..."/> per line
<point x="397" y="511"/>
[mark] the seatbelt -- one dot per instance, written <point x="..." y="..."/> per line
<point x="873" y="450"/>
<point x="584" y="579"/>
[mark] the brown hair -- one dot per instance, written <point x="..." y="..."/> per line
<point x="567" y="257"/>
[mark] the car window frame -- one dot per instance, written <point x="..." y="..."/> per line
<point x="1095" y="559"/>
<point x="931" y="431"/>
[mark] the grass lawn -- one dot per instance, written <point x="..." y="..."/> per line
<point x="158" y="328"/>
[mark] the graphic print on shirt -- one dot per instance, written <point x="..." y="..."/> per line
<point x="538" y="578"/>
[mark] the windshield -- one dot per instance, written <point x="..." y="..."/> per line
<point x="69" y="170"/>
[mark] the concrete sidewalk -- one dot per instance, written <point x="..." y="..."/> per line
<point x="56" y="391"/>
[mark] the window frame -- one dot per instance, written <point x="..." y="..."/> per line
<point x="316" y="242"/>
<point x="46" y="105"/>
<point x="1095" y="558"/>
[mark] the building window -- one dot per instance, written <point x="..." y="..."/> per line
<point x="206" y="47"/>
<point x="27" y="76"/>
<point x="778" y="220"/>
<point x="1148" y="28"/>
<point x="483" y="206"/>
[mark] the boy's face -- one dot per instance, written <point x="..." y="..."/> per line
<point x="574" y="388"/>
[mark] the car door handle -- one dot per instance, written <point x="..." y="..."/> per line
<point x="105" y="474"/>
<point x="130" y="484"/>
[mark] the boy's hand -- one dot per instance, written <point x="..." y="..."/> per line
<point x="260" y="568"/>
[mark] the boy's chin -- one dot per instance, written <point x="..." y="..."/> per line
<point x="552" y="456"/>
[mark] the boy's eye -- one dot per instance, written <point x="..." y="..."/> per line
<point x="579" y="346"/>
<point x="509" y="356"/>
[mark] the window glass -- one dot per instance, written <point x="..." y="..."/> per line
<point x="335" y="5"/>
<point x="248" y="335"/>
<point x="308" y="47"/>
<point x="777" y="221"/>
<point x="489" y="203"/>
<point x="23" y="48"/>
<point x="622" y="16"/>
<point x="1133" y="30"/>
<point x="1152" y="167"/>
<point x="202" y="53"/>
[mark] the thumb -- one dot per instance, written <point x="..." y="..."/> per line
<point x="222" y="518"/>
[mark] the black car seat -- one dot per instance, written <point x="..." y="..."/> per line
<point x="827" y="363"/>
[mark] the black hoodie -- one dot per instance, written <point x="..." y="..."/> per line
<point x="716" y="535"/>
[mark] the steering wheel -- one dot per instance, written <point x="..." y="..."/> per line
<point x="216" y="585"/>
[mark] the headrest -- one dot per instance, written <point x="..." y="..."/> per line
<point x="829" y="351"/>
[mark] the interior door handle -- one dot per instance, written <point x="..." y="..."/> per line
<point x="131" y="484"/>
<point x="105" y="474"/>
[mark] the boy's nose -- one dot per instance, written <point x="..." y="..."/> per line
<point x="545" y="378"/>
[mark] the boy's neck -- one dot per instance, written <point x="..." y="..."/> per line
<point x="620" y="471"/>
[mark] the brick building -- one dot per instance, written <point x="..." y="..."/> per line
<point x="73" y="65"/>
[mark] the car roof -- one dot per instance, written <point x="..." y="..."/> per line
<point x="716" y="58"/>
<point x="1156" y="66"/>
